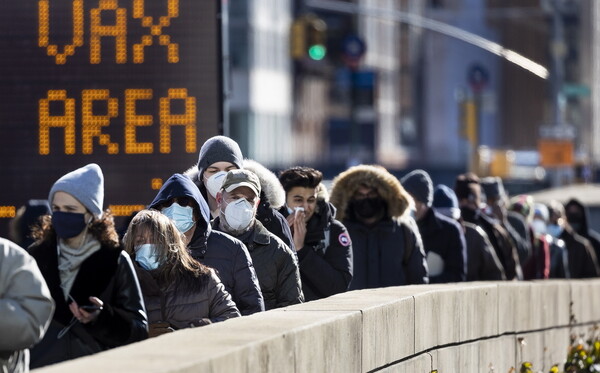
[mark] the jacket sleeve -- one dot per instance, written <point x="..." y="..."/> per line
<point x="286" y="233"/>
<point x="123" y="319"/>
<point x="590" y="261"/>
<point x="25" y="302"/>
<point x="289" y="286"/>
<point x="246" y="291"/>
<point x="221" y="306"/>
<point x="329" y="274"/>
<point x="455" y="261"/>
<point x="416" y="269"/>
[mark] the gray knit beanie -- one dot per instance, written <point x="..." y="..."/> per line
<point x="419" y="185"/>
<point x="86" y="184"/>
<point x="219" y="149"/>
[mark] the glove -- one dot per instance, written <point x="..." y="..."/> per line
<point x="159" y="328"/>
<point x="200" y="322"/>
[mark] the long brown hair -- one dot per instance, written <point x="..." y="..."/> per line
<point x="102" y="229"/>
<point x="177" y="265"/>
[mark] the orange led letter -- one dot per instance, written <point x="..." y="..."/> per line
<point x="132" y="120"/>
<point x="66" y="121"/>
<point x="92" y="124"/>
<point x="117" y="31"/>
<point x="187" y="119"/>
<point x="44" y="31"/>
<point x="156" y="30"/>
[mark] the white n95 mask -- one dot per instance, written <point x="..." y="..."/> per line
<point x="239" y="214"/>
<point x="215" y="182"/>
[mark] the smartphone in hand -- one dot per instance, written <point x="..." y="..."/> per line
<point x="91" y="308"/>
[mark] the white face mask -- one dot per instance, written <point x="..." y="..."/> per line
<point x="214" y="183"/>
<point x="147" y="257"/>
<point x="183" y="217"/>
<point x="539" y="226"/>
<point x="239" y="214"/>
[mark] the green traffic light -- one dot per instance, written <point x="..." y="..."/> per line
<point x="317" y="52"/>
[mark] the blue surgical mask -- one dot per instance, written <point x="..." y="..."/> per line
<point x="147" y="257"/>
<point x="68" y="224"/>
<point x="183" y="217"/>
<point x="554" y="230"/>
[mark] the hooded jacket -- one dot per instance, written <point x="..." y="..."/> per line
<point x="276" y="266"/>
<point x="582" y="225"/>
<point x="107" y="274"/>
<point x="582" y="258"/>
<point x="227" y="255"/>
<point x="379" y="250"/>
<point x="25" y="305"/>
<point x="326" y="257"/>
<point x="272" y="197"/>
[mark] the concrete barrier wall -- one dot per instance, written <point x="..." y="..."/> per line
<point x="468" y="327"/>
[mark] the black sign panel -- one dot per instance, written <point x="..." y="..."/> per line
<point x="132" y="85"/>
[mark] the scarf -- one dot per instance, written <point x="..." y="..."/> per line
<point x="70" y="259"/>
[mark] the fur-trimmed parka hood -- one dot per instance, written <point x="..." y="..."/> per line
<point x="387" y="185"/>
<point x="269" y="183"/>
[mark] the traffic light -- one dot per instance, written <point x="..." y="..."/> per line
<point x="308" y="38"/>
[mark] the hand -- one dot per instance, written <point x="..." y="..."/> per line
<point x="159" y="328"/>
<point x="88" y="316"/>
<point x="290" y="220"/>
<point x="299" y="230"/>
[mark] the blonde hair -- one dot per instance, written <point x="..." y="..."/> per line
<point x="177" y="265"/>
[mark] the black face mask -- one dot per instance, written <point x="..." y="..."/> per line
<point x="576" y="222"/>
<point x="367" y="208"/>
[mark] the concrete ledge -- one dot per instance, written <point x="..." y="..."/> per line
<point x="467" y="327"/>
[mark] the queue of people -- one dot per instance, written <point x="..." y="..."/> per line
<point x="229" y="238"/>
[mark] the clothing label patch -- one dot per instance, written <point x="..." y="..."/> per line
<point x="344" y="239"/>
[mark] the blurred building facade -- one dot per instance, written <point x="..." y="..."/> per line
<point x="401" y="103"/>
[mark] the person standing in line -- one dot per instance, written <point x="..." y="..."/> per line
<point x="322" y="243"/>
<point x="275" y="263"/>
<point x="91" y="279"/>
<point x="557" y="251"/>
<point x="482" y="262"/>
<point x="179" y="292"/>
<point x="578" y="218"/>
<point x="443" y="238"/>
<point x="26" y="306"/>
<point x="514" y="224"/>
<point x="180" y="200"/>
<point x="468" y="191"/>
<point x="582" y="258"/>
<point x="375" y="208"/>
<point x="28" y="215"/>
<point x="220" y="154"/>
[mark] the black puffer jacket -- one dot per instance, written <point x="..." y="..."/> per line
<point x="276" y="266"/>
<point x="379" y="251"/>
<point x="185" y="306"/>
<point x="444" y="236"/>
<point x="326" y="257"/>
<point x="227" y="255"/>
<point x="107" y="274"/>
